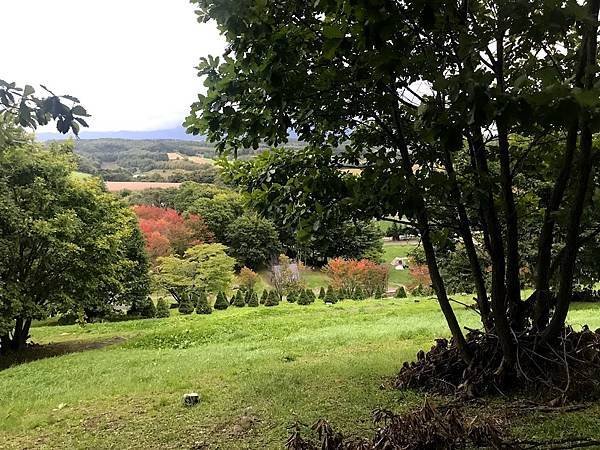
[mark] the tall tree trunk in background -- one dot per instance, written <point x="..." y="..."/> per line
<point x="467" y="237"/>
<point x="513" y="264"/>
<point x="544" y="255"/>
<point x="496" y="250"/>
<point x="425" y="232"/>
<point x="584" y="173"/>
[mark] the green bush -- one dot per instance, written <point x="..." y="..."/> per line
<point x="202" y="305"/>
<point x="264" y="296"/>
<point x="253" y="302"/>
<point x="248" y="295"/>
<point x="147" y="308"/>
<point x="292" y="297"/>
<point x="378" y="292"/>
<point x="272" y="299"/>
<point x="185" y="305"/>
<point x="359" y="294"/>
<point x="401" y="292"/>
<point x="330" y="296"/>
<point x="304" y="298"/>
<point x="311" y="295"/>
<point x="239" y="300"/>
<point x="162" y="308"/>
<point x="221" y="302"/>
<point x="322" y="293"/>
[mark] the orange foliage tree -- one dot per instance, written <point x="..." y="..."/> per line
<point x="347" y="275"/>
<point x="167" y="232"/>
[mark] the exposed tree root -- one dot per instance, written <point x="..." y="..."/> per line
<point x="565" y="371"/>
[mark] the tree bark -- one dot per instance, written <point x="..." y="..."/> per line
<point x="20" y="334"/>
<point x="424" y="230"/>
<point x="467" y="237"/>
<point x="543" y="262"/>
<point x="513" y="265"/>
<point x="496" y="248"/>
<point x="584" y="173"/>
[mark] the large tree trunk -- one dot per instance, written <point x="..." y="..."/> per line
<point x="496" y="249"/>
<point x="467" y="237"/>
<point x="513" y="264"/>
<point x="20" y="334"/>
<point x="424" y="230"/>
<point x="544" y="255"/>
<point x="584" y="173"/>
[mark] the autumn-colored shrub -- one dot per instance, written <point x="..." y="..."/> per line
<point x="350" y="275"/>
<point x="247" y="279"/>
<point x="168" y="232"/>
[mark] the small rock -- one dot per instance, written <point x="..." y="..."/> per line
<point x="191" y="399"/>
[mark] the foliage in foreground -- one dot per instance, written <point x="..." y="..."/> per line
<point x="490" y="118"/>
<point x="65" y="244"/>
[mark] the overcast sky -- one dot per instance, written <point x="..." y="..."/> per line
<point x="130" y="62"/>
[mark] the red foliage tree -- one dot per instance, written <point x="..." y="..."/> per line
<point x="167" y="232"/>
<point x="349" y="274"/>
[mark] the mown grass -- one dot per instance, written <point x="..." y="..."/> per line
<point x="256" y="369"/>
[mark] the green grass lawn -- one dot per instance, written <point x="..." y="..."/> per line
<point x="393" y="250"/>
<point x="256" y="369"/>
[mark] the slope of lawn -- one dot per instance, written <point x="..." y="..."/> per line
<point x="256" y="369"/>
<point x="392" y="250"/>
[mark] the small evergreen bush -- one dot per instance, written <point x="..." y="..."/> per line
<point x="221" y="302"/>
<point x="162" y="308"/>
<point x="253" y="302"/>
<point x="292" y="297"/>
<point x="147" y="308"/>
<point x="202" y="305"/>
<point x="311" y="295"/>
<point x="304" y="298"/>
<point x="359" y="294"/>
<point x="378" y="293"/>
<point x="401" y="292"/>
<point x="322" y="293"/>
<point x="239" y="300"/>
<point x="330" y="296"/>
<point x="185" y="305"/>
<point x="272" y="299"/>
<point x="263" y="297"/>
<point x="248" y="296"/>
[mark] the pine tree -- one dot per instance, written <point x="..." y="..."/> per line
<point x="202" y="305"/>
<point x="221" y="302"/>
<point x="292" y="297"/>
<point x="401" y="292"/>
<point x="253" y="302"/>
<point x="330" y="296"/>
<point x="147" y="308"/>
<point x="239" y="300"/>
<point x="304" y="298"/>
<point x="359" y="294"/>
<point x="185" y="305"/>
<point x="311" y="295"/>
<point x="162" y="308"/>
<point x="378" y="292"/>
<point x="248" y="296"/>
<point x="322" y="293"/>
<point x="264" y="296"/>
<point x="272" y="299"/>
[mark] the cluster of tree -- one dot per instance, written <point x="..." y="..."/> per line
<point x="353" y="278"/>
<point x="398" y="231"/>
<point x="473" y="121"/>
<point x="167" y="232"/>
<point x="66" y="245"/>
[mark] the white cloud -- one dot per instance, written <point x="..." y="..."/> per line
<point x="130" y="62"/>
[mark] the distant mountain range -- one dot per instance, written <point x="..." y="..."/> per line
<point x="177" y="133"/>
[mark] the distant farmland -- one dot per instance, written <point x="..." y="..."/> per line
<point x="116" y="186"/>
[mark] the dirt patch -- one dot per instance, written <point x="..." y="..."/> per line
<point x="35" y="352"/>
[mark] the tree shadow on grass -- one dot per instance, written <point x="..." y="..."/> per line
<point x="35" y="352"/>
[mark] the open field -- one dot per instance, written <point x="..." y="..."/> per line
<point x="195" y="159"/>
<point x="257" y="370"/>
<point x="116" y="186"/>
